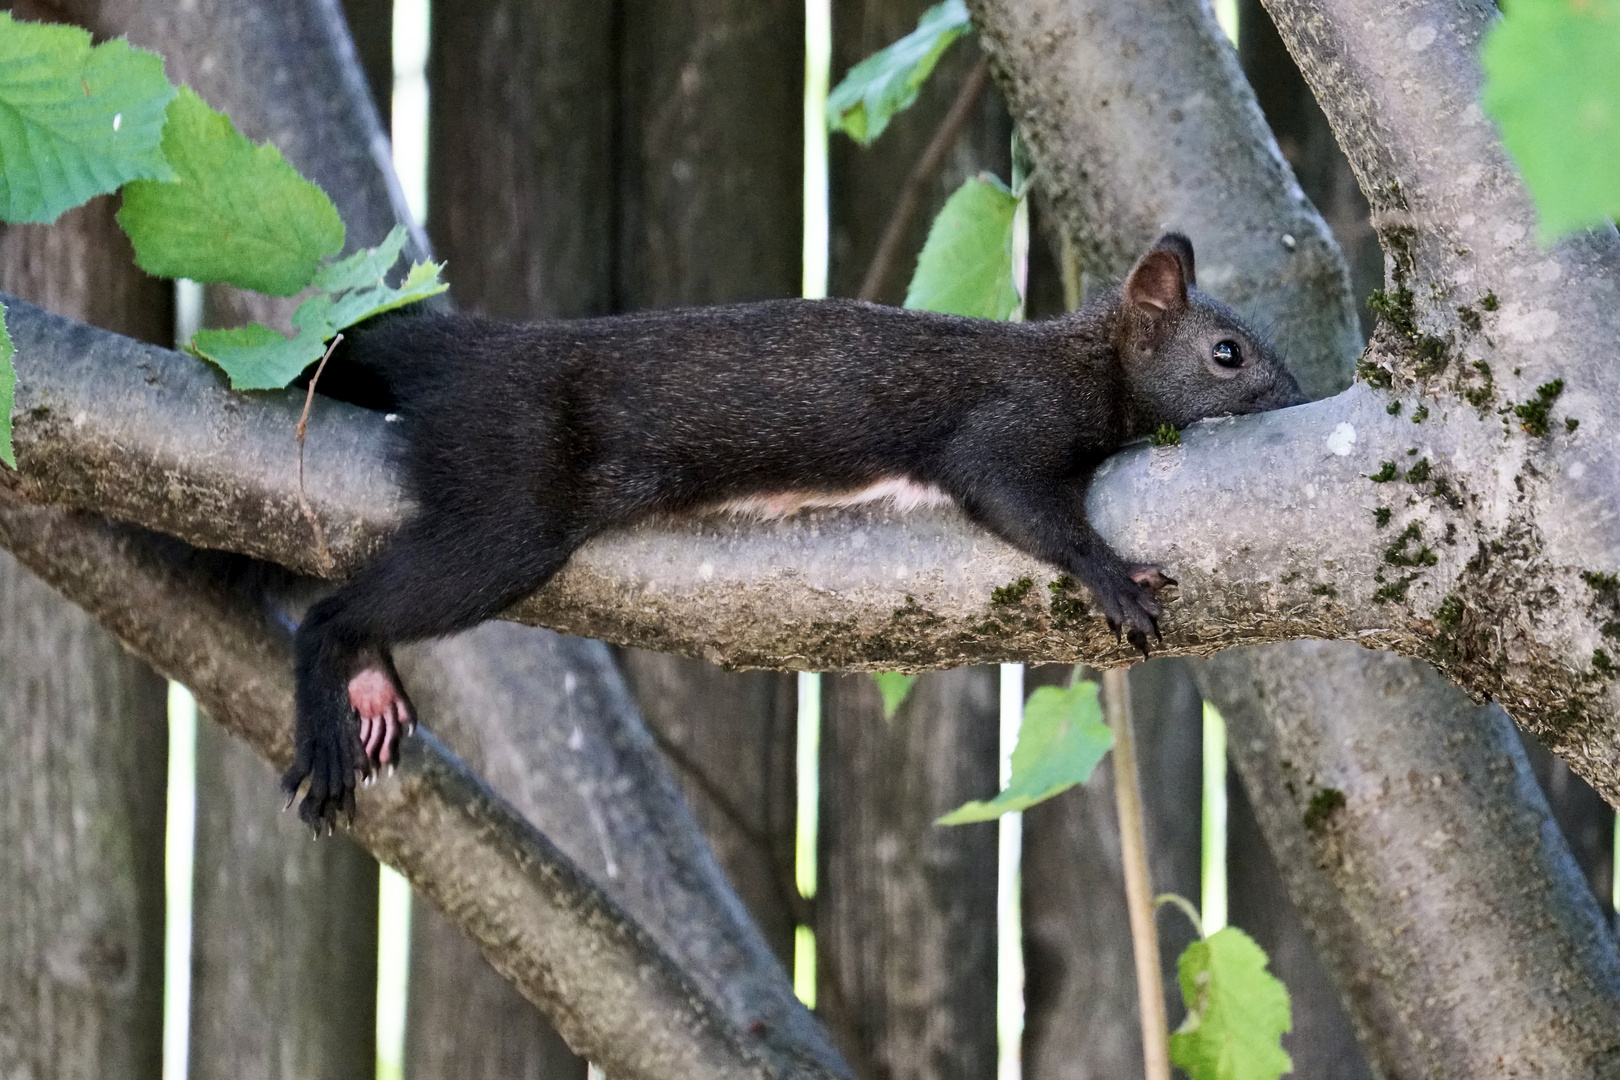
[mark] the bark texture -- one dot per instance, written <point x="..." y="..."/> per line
<point x="81" y="825"/>
<point x="906" y="909"/>
<point x="1377" y="825"/>
<point x="284" y="933"/>
<point x="1078" y="961"/>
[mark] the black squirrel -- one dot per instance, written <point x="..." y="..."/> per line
<point x="523" y="441"/>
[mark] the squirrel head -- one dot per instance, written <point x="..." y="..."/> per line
<point x="1186" y="356"/>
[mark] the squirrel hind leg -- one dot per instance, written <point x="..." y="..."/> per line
<point x="442" y="574"/>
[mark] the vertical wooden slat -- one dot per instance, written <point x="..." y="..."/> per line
<point x="1586" y="821"/>
<point x="520" y="155"/>
<point x="711" y="151"/>
<point x="729" y="738"/>
<point x="1080" y="985"/>
<point x="371" y="25"/>
<point x="83" y="723"/>
<point x="520" y="203"/>
<point x="284" y="932"/>
<point x="710" y="188"/>
<point x="905" y="908"/>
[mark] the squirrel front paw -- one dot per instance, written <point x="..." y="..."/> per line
<point x="1128" y="596"/>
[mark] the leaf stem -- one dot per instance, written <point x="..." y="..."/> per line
<point x="321" y="550"/>
<point x="1138" y="888"/>
<point x="1186" y="907"/>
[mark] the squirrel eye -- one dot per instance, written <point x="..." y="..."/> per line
<point x="1227" y="354"/>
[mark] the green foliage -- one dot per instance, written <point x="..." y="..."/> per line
<point x="75" y="121"/>
<point x="966" y="267"/>
<point x="1167" y="435"/>
<point x="1385" y="474"/>
<point x="1060" y="742"/>
<point x="235" y="213"/>
<point x="1013" y="594"/>
<point x="8" y="385"/>
<point x="1532" y="414"/>
<point x="886" y="83"/>
<point x="1237" y="1011"/>
<point x="255" y="357"/>
<point x="1553" y="87"/>
<point x="894" y="686"/>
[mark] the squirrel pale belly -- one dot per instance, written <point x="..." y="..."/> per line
<point x="523" y="441"/>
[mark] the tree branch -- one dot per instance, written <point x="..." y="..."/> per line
<point x="1406" y="820"/>
<point x="615" y="995"/>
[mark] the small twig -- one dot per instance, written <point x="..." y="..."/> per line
<point x="921" y="175"/>
<point x="1186" y="907"/>
<point x="1138" y="889"/>
<point x="322" y="552"/>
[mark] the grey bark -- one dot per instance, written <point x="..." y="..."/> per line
<point x="1081" y="1019"/>
<point x="284" y="933"/>
<point x="81" y="825"/>
<point x="1375" y="820"/>
<point x="82" y="781"/>
<point x="906" y="909"/>
<point x="1323" y="1040"/>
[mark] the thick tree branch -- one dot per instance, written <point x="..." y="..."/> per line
<point x="1267" y="521"/>
<point x="614" y="993"/>
<point x="1407" y="822"/>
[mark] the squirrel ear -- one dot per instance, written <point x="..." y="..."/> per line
<point x="1181" y="247"/>
<point x="1158" y="281"/>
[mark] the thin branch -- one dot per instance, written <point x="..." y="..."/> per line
<point x="921" y="175"/>
<point x="1138" y="886"/>
<point x="322" y="552"/>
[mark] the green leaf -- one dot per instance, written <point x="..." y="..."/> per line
<point x="1552" y="84"/>
<point x="8" y="386"/>
<point x="366" y="267"/>
<point x="887" y="82"/>
<point x="236" y="213"/>
<point x="894" y="687"/>
<point x="75" y="121"/>
<point x="1236" y="1011"/>
<point x="257" y="358"/>
<point x="1060" y="742"/>
<point x="966" y="267"/>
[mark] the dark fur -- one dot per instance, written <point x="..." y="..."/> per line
<point x="524" y="441"/>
